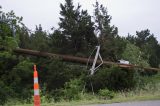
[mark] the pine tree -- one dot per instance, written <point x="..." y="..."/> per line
<point x="76" y="26"/>
<point x="148" y="43"/>
<point x="105" y="32"/>
<point x="39" y="40"/>
<point x="102" y="23"/>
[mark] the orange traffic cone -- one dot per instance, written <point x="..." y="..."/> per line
<point x="36" y="88"/>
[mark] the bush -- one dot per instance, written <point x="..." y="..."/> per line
<point x="3" y="95"/>
<point x="72" y="89"/>
<point x="21" y="80"/>
<point x="106" y="94"/>
<point x="113" y="78"/>
<point x="5" y="92"/>
<point x="57" y="94"/>
<point x="120" y="79"/>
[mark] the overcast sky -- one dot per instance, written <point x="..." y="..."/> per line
<point x="128" y="15"/>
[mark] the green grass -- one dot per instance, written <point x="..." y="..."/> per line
<point x="120" y="97"/>
<point x="151" y="91"/>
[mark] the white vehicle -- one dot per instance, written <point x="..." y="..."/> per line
<point x="123" y="61"/>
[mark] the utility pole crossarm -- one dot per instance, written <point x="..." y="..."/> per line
<point x="94" y="68"/>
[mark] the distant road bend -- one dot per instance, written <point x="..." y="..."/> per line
<point x="138" y="103"/>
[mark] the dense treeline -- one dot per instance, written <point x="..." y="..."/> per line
<point x="77" y="35"/>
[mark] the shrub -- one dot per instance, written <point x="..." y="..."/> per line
<point x="72" y="89"/>
<point x="3" y="96"/>
<point x="57" y="94"/>
<point x="120" y="79"/>
<point x="113" y="78"/>
<point x="5" y="92"/>
<point x="106" y="94"/>
<point x="21" y="80"/>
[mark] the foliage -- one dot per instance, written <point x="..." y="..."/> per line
<point x="102" y="23"/>
<point x="39" y="40"/>
<point x="78" y="34"/>
<point x="120" y="79"/>
<point x="76" y="27"/>
<point x="148" y="44"/>
<point x="22" y="77"/>
<point x="114" y="79"/>
<point x="73" y="89"/>
<point x="4" y="93"/>
<point x="106" y="94"/>
<point x="56" y="74"/>
<point x="10" y="43"/>
<point x="9" y="25"/>
<point x="16" y="76"/>
<point x="59" y="42"/>
<point x="106" y="33"/>
<point x="24" y="38"/>
<point x="133" y="54"/>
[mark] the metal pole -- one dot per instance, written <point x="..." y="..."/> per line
<point x="95" y="60"/>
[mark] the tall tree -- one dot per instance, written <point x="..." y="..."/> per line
<point x="76" y="26"/>
<point x="24" y="37"/>
<point x="39" y="39"/>
<point x="147" y="44"/>
<point x="102" y="23"/>
<point x="134" y="55"/>
<point x="131" y="38"/>
<point x="58" y="42"/>
<point x="141" y="38"/>
<point x="9" y="25"/>
<point x="106" y="33"/>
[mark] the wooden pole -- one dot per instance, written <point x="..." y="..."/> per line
<point x="79" y="59"/>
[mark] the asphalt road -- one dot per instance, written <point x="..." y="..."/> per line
<point x="138" y="103"/>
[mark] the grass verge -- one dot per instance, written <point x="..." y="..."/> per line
<point x="90" y="99"/>
<point x="151" y="91"/>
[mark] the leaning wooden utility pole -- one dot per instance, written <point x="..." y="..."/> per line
<point x="79" y="59"/>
